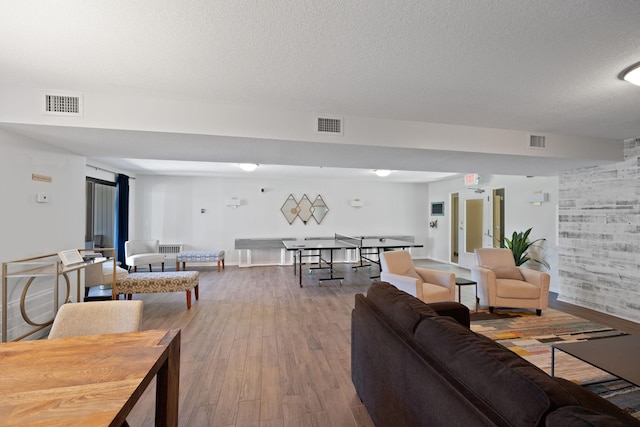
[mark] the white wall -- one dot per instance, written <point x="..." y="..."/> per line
<point x="519" y="214"/>
<point x="28" y="228"/>
<point x="168" y="208"/>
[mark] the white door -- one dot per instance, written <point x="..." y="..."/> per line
<point x="474" y="219"/>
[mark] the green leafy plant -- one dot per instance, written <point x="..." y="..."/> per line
<point x="519" y="245"/>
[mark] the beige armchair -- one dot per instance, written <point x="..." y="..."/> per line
<point x="428" y="285"/>
<point x="143" y="252"/>
<point x="502" y="284"/>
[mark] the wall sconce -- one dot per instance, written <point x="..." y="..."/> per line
<point x="232" y="203"/>
<point x="537" y="197"/>
<point x="356" y="203"/>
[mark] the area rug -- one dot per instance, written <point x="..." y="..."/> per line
<point x="531" y="336"/>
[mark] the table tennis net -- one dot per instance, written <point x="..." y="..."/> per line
<point x="355" y="241"/>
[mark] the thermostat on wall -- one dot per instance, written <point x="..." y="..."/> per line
<point x="42" y="198"/>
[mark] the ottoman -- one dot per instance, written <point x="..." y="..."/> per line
<point x="199" y="256"/>
<point x="148" y="283"/>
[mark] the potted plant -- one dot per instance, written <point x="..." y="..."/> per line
<point x="519" y="245"/>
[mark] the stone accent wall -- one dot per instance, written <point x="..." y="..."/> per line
<point x="599" y="236"/>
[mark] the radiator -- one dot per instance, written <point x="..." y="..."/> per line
<point x="170" y="250"/>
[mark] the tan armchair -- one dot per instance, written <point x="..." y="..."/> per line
<point x="426" y="284"/>
<point x="143" y="252"/>
<point x="502" y="284"/>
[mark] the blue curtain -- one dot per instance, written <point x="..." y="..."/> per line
<point x="122" y="216"/>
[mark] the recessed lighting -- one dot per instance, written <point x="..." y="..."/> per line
<point x="632" y="74"/>
<point x="249" y="167"/>
<point x="382" y="172"/>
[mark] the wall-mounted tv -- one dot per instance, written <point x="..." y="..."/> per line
<point x="437" y="208"/>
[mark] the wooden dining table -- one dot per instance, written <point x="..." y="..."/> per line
<point x="88" y="381"/>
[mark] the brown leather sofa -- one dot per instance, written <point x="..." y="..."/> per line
<point x="417" y="364"/>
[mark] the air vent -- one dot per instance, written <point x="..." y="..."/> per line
<point x="330" y="125"/>
<point x="66" y="105"/>
<point x="538" y="142"/>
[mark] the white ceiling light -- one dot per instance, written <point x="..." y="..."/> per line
<point x="632" y="75"/>
<point x="249" y="167"/>
<point x="382" y="172"/>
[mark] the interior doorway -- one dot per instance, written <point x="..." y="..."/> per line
<point x="455" y="226"/>
<point x="498" y="218"/>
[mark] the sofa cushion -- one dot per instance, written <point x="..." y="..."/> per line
<point x="576" y="416"/>
<point x="518" y="399"/>
<point x="558" y="394"/>
<point x="403" y="309"/>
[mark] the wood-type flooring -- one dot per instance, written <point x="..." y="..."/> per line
<point x="258" y="350"/>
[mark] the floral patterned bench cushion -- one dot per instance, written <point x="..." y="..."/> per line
<point x="148" y="283"/>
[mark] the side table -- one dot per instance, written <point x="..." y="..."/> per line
<point x="460" y="282"/>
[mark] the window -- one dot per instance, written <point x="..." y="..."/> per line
<point x="101" y="210"/>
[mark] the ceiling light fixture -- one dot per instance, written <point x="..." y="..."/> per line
<point x="632" y="74"/>
<point x="249" y="167"/>
<point x="382" y="172"/>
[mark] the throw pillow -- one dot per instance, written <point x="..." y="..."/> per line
<point x="412" y="273"/>
<point x="505" y="272"/>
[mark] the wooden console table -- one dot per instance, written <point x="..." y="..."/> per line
<point x="55" y="382"/>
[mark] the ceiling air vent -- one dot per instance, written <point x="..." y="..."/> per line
<point x="538" y="142"/>
<point x="330" y="125"/>
<point x="66" y="105"/>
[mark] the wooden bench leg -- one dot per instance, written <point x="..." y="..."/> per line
<point x="218" y="266"/>
<point x="177" y="265"/>
<point x="223" y="263"/>
<point x="196" y="291"/>
<point x="188" y="300"/>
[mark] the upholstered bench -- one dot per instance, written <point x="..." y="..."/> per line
<point x="149" y="283"/>
<point x="199" y="256"/>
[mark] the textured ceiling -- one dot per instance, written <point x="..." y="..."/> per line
<point x="538" y="66"/>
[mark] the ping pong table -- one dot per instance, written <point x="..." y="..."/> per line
<point x="368" y="249"/>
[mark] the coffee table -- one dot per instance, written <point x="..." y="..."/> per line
<point x="615" y="355"/>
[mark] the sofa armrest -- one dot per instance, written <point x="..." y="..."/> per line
<point x="459" y="312"/>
